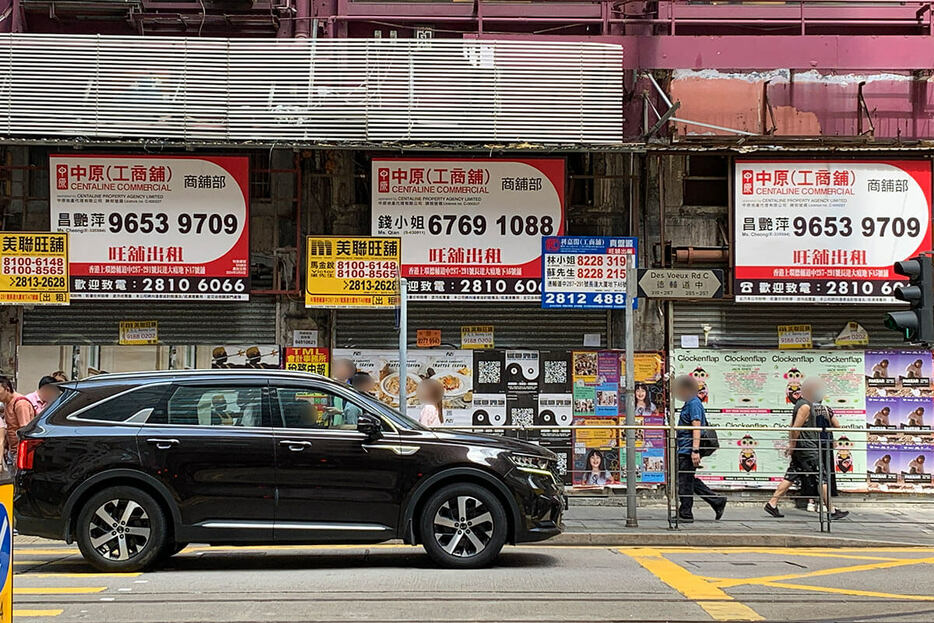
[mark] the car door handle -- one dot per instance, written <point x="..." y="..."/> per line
<point x="163" y="444"/>
<point x="294" y="445"/>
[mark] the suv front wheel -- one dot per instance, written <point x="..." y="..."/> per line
<point x="463" y="526"/>
<point x="121" y="529"/>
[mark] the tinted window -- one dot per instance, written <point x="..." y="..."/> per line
<point x="216" y="405"/>
<point x="135" y="405"/>
<point x="316" y="408"/>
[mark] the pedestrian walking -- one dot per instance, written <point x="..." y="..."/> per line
<point x="804" y="450"/>
<point x="45" y="395"/>
<point x="689" y="458"/>
<point x="18" y="412"/>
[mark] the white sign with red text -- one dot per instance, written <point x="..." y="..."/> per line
<point x="820" y="231"/>
<point x="153" y="227"/>
<point x="470" y="229"/>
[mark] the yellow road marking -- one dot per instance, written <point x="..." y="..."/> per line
<point x="729" y="582"/>
<point x="791" y="551"/>
<point x="77" y="575"/>
<point x="847" y="591"/>
<point x="46" y="552"/>
<point x="67" y="590"/>
<point x="719" y="605"/>
<point x="36" y="613"/>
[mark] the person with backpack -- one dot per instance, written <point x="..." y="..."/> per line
<point x="18" y="412"/>
<point x="804" y="449"/>
<point x="689" y="452"/>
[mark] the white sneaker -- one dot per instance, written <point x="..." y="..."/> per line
<point x="812" y="507"/>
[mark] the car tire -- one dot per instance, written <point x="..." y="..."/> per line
<point x="171" y="548"/>
<point x="463" y="526"/>
<point x="135" y="537"/>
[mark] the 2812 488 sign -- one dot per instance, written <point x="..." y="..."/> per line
<point x="587" y="272"/>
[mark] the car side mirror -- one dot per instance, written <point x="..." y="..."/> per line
<point x="370" y="426"/>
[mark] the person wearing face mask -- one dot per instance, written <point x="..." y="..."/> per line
<point x="804" y="449"/>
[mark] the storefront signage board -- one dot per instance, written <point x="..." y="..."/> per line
<point x="586" y="272"/>
<point x="153" y="227"/>
<point x="33" y="268"/>
<point x="819" y="231"/>
<point x="471" y="229"/>
<point x="313" y="360"/>
<point x="351" y="273"/>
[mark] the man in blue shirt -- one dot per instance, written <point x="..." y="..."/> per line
<point x="692" y="414"/>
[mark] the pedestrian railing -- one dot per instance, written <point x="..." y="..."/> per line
<point x="751" y="463"/>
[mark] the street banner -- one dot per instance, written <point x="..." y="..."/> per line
<point x="351" y="273"/>
<point x="313" y="360"/>
<point x="818" y="231"/>
<point x="471" y="229"/>
<point x="586" y="272"/>
<point x="153" y="227"/>
<point x="139" y="333"/>
<point x="33" y="269"/>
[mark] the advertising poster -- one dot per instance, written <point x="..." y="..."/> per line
<point x="470" y="229"/>
<point x="351" y="273"/>
<point x="255" y="356"/>
<point x="314" y="360"/>
<point x="153" y="227"/>
<point x="452" y="368"/>
<point x="522" y="370"/>
<point x="34" y="269"/>
<point x="758" y="388"/>
<point x="821" y="231"/>
<point x="596" y="453"/>
<point x="586" y="272"/>
<point x="138" y="333"/>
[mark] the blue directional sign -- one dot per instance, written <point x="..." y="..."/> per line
<point x="586" y="272"/>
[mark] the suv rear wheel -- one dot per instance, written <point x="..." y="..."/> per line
<point x="463" y="526"/>
<point x="121" y="529"/>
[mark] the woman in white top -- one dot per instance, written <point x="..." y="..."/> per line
<point x="430" y="394"/>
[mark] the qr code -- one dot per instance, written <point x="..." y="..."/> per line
<point x="556" y="372"/>
<point x="522" y="417"/>
<point x="488" y="372"/>
<point x="562" y="464"/>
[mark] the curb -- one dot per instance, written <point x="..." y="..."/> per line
<point x="687" y="538"/>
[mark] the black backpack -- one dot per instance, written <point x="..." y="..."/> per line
<point x="709" y="442"/>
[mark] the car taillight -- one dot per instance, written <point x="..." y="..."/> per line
<point x="26" y="453"/>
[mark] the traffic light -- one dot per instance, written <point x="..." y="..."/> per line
<point x="917" y="324"/>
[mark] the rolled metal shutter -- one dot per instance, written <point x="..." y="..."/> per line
<point x="514" y="325"/>
<point x="180" y="322"/>
<point x="755" y="326"/>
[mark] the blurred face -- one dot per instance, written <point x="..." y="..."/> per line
<point x="813" y="391"/>
<point x="5" y="394"/>
<point x="48" y="393"/>
<point x="342" y="370"/>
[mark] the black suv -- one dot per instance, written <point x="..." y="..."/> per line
<point x="135" y="466"/>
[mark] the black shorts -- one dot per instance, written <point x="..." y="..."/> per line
<point x="805" y="466"/>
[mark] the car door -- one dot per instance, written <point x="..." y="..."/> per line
<point x="333" y="483"/>
<point x="211" y="444"/>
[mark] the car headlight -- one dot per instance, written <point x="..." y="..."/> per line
<point x="532" y="464"/>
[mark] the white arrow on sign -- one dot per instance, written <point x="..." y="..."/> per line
<point x="680" y="283"/>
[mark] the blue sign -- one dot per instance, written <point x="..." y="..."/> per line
<point x="586" y="272"/>
<point x="6" y="545"/>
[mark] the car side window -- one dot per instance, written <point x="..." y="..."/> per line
<point x="216" y="405"/>
<point x="136" y="405"/>
<point x="315" y="408"/>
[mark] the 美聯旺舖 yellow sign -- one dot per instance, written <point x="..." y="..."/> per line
<point x="139" y="333"/>
<point x="34" y="268"/>
<point x="794" y="336"/>
<point x="355" y="272"/>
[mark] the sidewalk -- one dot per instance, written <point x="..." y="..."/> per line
<point x="746" y="524"/>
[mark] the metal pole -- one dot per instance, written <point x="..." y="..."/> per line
<point x="631" y="520"/>
<point x="403" y="344"/>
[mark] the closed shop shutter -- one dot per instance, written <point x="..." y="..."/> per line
<point x="514" y="325"/>
<point x="755" y="326"/>
<point x="180" y="322"/>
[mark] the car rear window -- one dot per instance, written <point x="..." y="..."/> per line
<point x="135" y="405"/>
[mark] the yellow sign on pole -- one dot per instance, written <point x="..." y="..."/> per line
<point x="34" y="268"/>
<point x="352" y="273"/>
<point x="139" y="333"/>
<point x="6" y="548"/>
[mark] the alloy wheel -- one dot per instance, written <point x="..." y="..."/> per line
<point x="119" y="529"/>
<point x="463" y="526"/>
